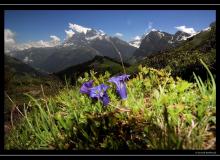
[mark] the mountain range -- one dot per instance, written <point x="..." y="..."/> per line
<point x="156" y="41"/>
<point x="183" y="59"/>
<point x="87" y="43"/>
<point x="83" y="46"/>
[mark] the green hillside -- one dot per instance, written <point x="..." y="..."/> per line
<point x="184" y="59"/>
<point x="19" y="67"/>
<point x="20" y="78"/>
<point x="98" y="64"/>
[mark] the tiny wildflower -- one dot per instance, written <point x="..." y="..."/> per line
<point x="120" y="84"/>
<point x="86" y="87"/>
<point x="99" y="92"/>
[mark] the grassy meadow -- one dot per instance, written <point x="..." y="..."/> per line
<point x="161" y="112"/>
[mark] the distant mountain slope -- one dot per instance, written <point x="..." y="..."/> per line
<point x="84" y="45"/>
<point x="184" y="59"/>
<point x="157" y="40"/>
<point x="101" y="42"/>
<point x="68" y="56"/>
<point x="98" y="64"/>
<point x="20" y="78"/>
<point x="19" y="67"/>
<point x="53" y="59"/>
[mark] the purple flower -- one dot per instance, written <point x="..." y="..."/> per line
<point x="86" y="87"/>
<point x="99" y="92"/>
<point x="120" y="85"/>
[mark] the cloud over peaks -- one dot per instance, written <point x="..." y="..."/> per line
<point x="9" y="38"/>
<point x="79" y="28"/>
<point x="11" y="44"/>
<point x="190" y="31"/>
<point x="137" y="38"/>
<point x="55" y="38"/>
<point x="69" y="33"/>
<point x="118" y="34"/>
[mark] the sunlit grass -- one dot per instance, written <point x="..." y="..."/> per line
<point x="160" y="113"/>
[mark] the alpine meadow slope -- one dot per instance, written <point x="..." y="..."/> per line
<point x="97" y="92"/>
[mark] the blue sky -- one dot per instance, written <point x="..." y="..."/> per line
<point x="35" y="25"/>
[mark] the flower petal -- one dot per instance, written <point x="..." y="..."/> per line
<point x="98" y="91"/>
<point x="124" y="77"/>
<point x="122" y="90"/>
<point x="85" y="88"/>
<point x="120" y="84"/>
<point x="95" y="92"/>
<point x="104" y="87"/>
<point x="105" y="99"/>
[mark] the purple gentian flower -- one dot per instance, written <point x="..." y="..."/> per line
<point x="99" y="92"/>
<point x="86" y="87"/>
<point x="120" y="84"/>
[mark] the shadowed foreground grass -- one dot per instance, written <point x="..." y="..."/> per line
<point x="160" y="113"/>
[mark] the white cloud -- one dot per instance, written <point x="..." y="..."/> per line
<point x="35" y="44"/>
<point x="154" y="30"/>
<point x="79" y="28"/>
<point x="118" y="34"/>
<point x="11" y="44"/>
<point x="9" y="38"/>
<point x="69" y="33"/>
<point x="136" y="42"/>
<point x="23" y="46"/>
<point x="55" y="38"/>
<point x="190" y="31"/>
<point x="137" y="38"/>
<point x="40" y="44"/>
<point x="101" y="32"/>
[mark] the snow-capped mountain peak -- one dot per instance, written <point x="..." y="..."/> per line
<point x="102" y="33"/>
<point x="149" y="31"/>
<point x="83" y="35"/>
<point x="136" y="42"/>
<point x="161" y="34"/>
<point x="94" y="34"/>
<point x="207" y="29"/>
<point x="79" y="28"/>
<point x="154" y="30"/>
<point x="180" y="36"/>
